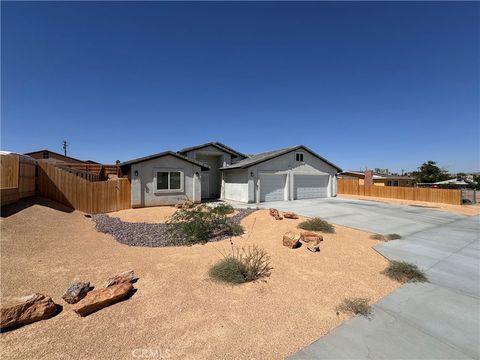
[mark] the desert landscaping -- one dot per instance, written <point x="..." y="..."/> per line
<point x="178" y="310"/>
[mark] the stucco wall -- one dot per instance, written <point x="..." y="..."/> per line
<point x="236" y="185"/>
<point x="144" y="184"/>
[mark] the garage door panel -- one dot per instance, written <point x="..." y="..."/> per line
<point x="272" y="187"/>
<point x="311" y="186"/>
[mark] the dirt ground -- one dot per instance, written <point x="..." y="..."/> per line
<point x="457" y="209"/>
<point x="150" y="215"/>
<point x="178" y="312"/>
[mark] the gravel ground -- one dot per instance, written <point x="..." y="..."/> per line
<point x="150" y="235"/>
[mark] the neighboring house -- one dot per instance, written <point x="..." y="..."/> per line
<point x="379" y="180"/>
<point x="54" y="157"/>
<point x="214" y="170"/>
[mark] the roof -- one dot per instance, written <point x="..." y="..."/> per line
<point x="53" y="152"/>
<point x="378" y="177"/>
<point x="216" y="144"/>
<point x="259" y="158"/>
<point x="162" y="154"/>
<point x="452" y="182"/>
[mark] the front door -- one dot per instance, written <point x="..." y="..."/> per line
<point x="205" y="182"/>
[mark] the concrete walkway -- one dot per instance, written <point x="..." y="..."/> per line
<point x="436" y="320"/>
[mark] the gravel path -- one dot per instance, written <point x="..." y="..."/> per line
<point x="150" y="235"/>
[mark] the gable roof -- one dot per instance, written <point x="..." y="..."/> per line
<point x="53" y="152"/>
<point x="216" y="144"/>
<point x="162" y="154"/>
<point x="261" y="157"/>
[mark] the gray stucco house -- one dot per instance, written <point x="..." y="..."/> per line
<point x="214" y="170"/>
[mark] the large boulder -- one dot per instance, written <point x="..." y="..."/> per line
<point x="310" y="237"/>
<point x="291" y="239"/>
<point x="124" y="277"/>
<point x="314" y="246"/>
<point x="98" y="299"/>
<point x="31" y="308"/>
<point x="76" y="292"/>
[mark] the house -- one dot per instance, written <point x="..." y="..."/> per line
<point x="214" y="170"/>
<point x="378" y="179"/>
<point x="54" y="157"/>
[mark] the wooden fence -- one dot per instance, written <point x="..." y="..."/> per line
<point x="17" y="177"/>
<point x="81" y="194"/>
<point x="446" y="196"/>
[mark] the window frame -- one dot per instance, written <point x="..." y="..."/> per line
<point x="299" y="155"/>
<point x="169" y="171"/>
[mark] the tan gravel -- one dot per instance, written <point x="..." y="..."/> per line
<point x="151" y="215"/>
<point x="456" y="209"/>
<point x="178" y="312"/>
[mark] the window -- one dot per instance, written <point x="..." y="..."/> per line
<point x="299" y="157"/>
<point x="169" y="180"/>
<point x="45" y="154"/>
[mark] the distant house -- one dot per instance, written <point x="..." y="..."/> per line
<point x="55" y="157"/>
<point x="216" y="171"/>
<point x="379" y="180"/>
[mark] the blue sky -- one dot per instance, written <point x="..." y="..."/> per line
<point x="383" y="84"/>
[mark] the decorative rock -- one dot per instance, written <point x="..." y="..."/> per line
<point x="290" y="215"/>
<point x="291" y="239"/>
<point x="124" y="277"/>
<point x="275" y="214"/>
<point x="98" y="299"/>
<point x="32" y="308"/>
<point x="76" y="292"/>
<point x="314" y="246"/>
<point x="308" y="237"/>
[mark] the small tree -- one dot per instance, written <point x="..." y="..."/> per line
<point x="429" y="172"/>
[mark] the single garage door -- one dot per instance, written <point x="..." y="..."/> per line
<point x="310" y="186"/>
<point x="272" y="187"/>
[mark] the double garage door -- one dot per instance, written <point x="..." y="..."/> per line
<point x="273" y="187"/>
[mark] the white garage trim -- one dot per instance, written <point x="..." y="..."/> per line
<point x="310" y="186"/>
<point x="272" y="187"/>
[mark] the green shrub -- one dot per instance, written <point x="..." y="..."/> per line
<point x="404" y="272"/>
<point x="242" y="265"/>
<point x="355" y="306"/>
<point x="317" y="224"/>
<point x="199" y="224"/>
<point x="223" y="209"/>
<point x="385" y="237"/>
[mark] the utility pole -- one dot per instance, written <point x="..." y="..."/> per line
<point x="65" y="145"/>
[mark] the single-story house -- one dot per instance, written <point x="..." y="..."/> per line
<point x="378" y="179"/>
<point x="54" y="157"/>
<point x="214" y="170"/>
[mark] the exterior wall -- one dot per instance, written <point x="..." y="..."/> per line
<point x="235" y="185"/>
<point x="284" y="164"/>
<point x="144" y="191"/>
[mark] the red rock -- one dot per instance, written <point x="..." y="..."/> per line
<point x="308" y="237"/>
<point x="32" y="308"/>
<point x="275" y="214"/>
<point x="124" y="277"/>
<point x="314" y="246"/>
<point x="98" y="299"/>
<point x="291" y="239"/>
<point x="290" y="215"/>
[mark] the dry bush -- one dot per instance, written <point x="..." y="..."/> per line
<point x="317" y="224"/>
<point x="404" y="272"/>
<point x="355" y="306"/>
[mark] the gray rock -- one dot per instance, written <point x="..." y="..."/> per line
<point x="76" y="292"/>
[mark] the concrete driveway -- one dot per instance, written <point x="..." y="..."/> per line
<point x="435" y="320"/>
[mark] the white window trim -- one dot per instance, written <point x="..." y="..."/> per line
<point x="162" y="191"/>
<point x="303" y="157"/>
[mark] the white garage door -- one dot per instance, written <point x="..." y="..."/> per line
<point x="310" y="186"/>
<point x="272" y="187"/>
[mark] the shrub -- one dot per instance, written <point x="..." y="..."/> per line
<point x="385" y="237"/>
<point x="355" y="306"/>
<point x="242" y="265"/>
<point x="223" y="209"/>
<point x="404" y="272"/>
<point x="317" y="224"/>
<point x="199" y="224"/>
